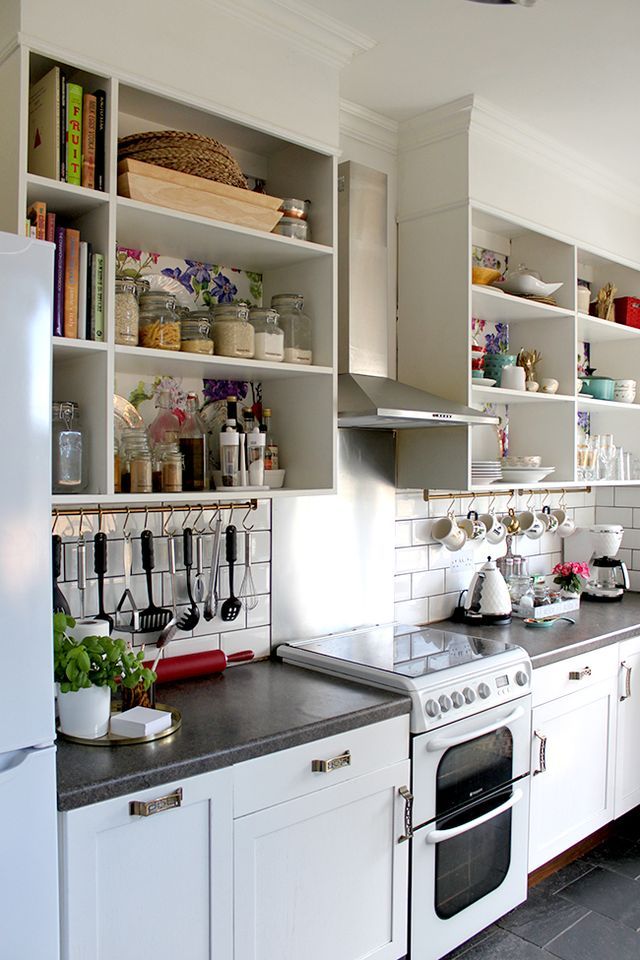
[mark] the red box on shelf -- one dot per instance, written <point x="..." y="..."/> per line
<point x="628" y="311"/>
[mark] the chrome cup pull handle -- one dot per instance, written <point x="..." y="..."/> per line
<point x="542" y="753"/>
<point x="407" y="796"/>
<point x="627" y="680"/>
<point x="580" y="674"/>
<point x="326" y="766"/>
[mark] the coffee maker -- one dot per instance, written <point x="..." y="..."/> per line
<point x="609" y="576"/>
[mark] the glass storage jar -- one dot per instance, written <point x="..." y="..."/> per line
<point x="195" y="332"/>
<point x="137" y="464"/>
<point x="269" y="335"/>
<point x="69" y="448"/>
<point x="171" y="468"/>
<point x="127" y="311"/>
<point x="233" y="335"/>
<point x="296" y="325"/>
<point x="159" y="321"/>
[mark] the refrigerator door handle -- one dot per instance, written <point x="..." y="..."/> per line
<point x="13" y="766"/>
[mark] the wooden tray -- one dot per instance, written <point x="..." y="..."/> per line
<point x="113" y="740"/>
<point x="205" y="198"/>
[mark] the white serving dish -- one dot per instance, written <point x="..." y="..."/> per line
<point x="483" y="382"/>
<point x="274" y="479"/>
<point x="526" y="474"/>
<point x="524" y="285"/>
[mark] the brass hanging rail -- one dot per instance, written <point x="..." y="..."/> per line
<point x="501" y="492"/>
<point x="98" y="510"/>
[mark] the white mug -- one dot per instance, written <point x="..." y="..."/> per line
<point x="448" y="533"/>
<point x="549" y="519"/>
<point x="513" y="378"/>
<point x="531" y="524"/>
<point x="496" y="530"/>
<point x="566" y="526"/>
<point x="473" y="527"/>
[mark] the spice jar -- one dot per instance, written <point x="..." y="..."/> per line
<point x="171" y="469"/>
<point x="127" y="312"/>
<point x="137" y="470"/>
<point x="233" y="335"/>
<point x="269" y="336"/>
<point x="69" y="452"/>
<point x="195" y="332"/>
<point x="159" y="321"/>
<point x="296" y="326"/>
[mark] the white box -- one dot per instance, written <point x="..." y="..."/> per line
<point x="140" y="722"/>
<point x="556" y="609"/>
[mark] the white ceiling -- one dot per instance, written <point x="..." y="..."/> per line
<point x="568" y="67"/>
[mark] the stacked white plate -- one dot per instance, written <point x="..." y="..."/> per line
<point x="485" y="471"/>
<point x="526" y="474"/>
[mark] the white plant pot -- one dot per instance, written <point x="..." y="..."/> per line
<point x="85" y="713"/>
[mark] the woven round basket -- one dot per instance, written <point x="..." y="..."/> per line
<point x="186" y="152"/>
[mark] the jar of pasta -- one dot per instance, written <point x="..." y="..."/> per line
<point x="233" y="335"/>
<point x="195" y="332"/>
<point x="159" y="321"/>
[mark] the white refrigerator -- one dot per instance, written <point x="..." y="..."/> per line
<point x="28" y="841"/>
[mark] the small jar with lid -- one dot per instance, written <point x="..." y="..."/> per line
<point x="159" y="321"/>
<point x="269" y="335"/>
<point x="137" y="470"/>
<point x="296" y="326"/>
<point x="127" y="311"/>
<point x="171" y="463"/>
<point x="69" y="448"/>
<point x="233" y="335"/>
<point x="195" y="332"/>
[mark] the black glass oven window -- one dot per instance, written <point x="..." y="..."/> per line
<point x="473" y="769"/>
<point x="471" y="865"/>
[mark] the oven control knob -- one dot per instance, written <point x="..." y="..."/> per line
<point x="431" y="708"/>
<point x="457" y="698"/>
<point x="469" y="694"/>
<point x="445" y="703"/>
<point x="521" y="678"/>
<point x="484" y="691"/>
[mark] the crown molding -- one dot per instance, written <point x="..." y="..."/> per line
<point x="318" y="35"/>
<point x="475" y="116"/>
<point x="368" y="127"/>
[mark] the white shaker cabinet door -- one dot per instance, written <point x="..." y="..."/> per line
<point x="572" y="769"/>
<point x="144" y="877"/>
<point x="324" y="876"/>
<point x="627" y="793"/>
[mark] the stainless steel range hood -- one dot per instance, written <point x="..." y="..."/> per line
<point x="368" y="397"/>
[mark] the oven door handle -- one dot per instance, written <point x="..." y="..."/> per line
<point x="437" y="836"/>
<point x="438" y="746"/>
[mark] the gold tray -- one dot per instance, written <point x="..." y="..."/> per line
<point x="113" y="740"/>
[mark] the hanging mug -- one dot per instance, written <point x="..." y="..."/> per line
<point x="447" y="532"/>
<point x="549" y="519"/>
<point x="496" y="530"/>
<point x="531" y="524"/>
<point x="566" y="526"/>
<point x="473" y="527"/>
<point x="511" y="522"/>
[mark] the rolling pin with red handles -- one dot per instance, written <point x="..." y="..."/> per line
<point x="197" y="664"/>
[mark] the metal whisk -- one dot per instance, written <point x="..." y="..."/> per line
<point x="247" y="590"/>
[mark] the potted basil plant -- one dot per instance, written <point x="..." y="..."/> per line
<point x="87" y="672"/>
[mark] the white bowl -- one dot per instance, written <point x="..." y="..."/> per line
<point x="525" y="285"/>
<point x="525" y="474"/>
<point x="274" y="478"/>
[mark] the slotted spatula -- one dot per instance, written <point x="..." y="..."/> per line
<point x="232" y="605"/>
<point x="152" y="617"/>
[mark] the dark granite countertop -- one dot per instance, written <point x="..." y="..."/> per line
<point x="597" y="625"/>
<point x="247" y="712"/>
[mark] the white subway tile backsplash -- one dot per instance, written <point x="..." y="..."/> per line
<point x="404" y="533"/>
<point x="410" y="559"/>
<point x="441" y="607"/>
<point x="627" y="496"/>
<point x="402" y="587"/>
<point x="260" y="616"/>
<point x="426" y="583"/>
<point x="636" y="518"/>
<point x="257" y="639"/>
<point x="457" y="580"/>
<point x="605" y="496"/>
<point x="631" y="539"/>
<point x="410" y="504"/>
<point x="412" y="611"/>
<point x="634" y="579"/>
<point x="584" y="516"/>
<point x="626" y="556"/>
<point x="421" y="532"/>
<point x="622" y="515"/>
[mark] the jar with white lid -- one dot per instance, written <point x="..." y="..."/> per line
<point x="296" y="326"/>
<point x="269" y="335"/>
<point x="233" y="335"/>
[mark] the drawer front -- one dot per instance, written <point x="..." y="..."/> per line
<point x="575" y="673"/>
<point x="281" y="776"/>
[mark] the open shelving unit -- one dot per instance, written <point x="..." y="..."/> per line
<point x="303" y="399"/>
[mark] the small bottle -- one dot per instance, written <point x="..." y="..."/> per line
<point x="193" y="448"/>
<point x="248" y="419"/>
<point x="165" y="428"/>
<point x="271" y="456"/>
<point x="229" y="447"/>
<point x="255" y="457"/>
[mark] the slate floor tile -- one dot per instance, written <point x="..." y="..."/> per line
<point x="560" y="879"/>
<point x="596" y="938"/>
<point x="628" y="825"/>
<point x="618" y="854"/>
<point x="542" y="918"/>
<point x="473" y="942"/>
<point x="609" y="894"/>
<point x="501" y="945"/>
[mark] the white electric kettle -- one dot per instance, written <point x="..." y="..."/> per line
<point x="488" y="599"/>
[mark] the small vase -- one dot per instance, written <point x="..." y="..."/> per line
<point x="85" y="713"/>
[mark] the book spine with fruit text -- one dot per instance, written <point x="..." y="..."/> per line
<point x="88" y="140"/>
<point x="71" y="281"/>
<point x="74" y="133"/>
<point x="58" y="284"/>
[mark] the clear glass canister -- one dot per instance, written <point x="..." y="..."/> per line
<point x="159" y="321"/>
<point x="69" y="449"/>
<point x="127" y="311"/>
<point x="269" y="335"/>
<point x="172" y="462"/>
<point x="296" y="325"/>
<point x="195" y="332"/>
<point x="233" y="335"/>
<point x="137" y="469"/>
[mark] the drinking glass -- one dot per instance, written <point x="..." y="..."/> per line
<point x="606" y="454"/>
